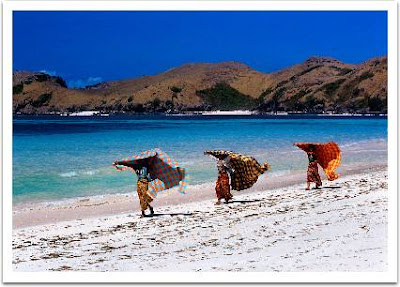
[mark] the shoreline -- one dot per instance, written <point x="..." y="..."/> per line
<point x="341" y="227"/>
<point x="33" y="214"/>
<point x="238" y="113"/>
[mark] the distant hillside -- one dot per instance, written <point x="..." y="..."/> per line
<point x="319" y="84"/>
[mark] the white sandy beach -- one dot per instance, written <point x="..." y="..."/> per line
<point x="342" y="227"/>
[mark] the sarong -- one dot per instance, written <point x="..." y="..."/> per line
<point x="222" y="187"/>
<point x="144" y="194"/>
<point x="312" y="173"/>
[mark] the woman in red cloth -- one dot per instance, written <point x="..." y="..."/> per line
<point x="312" y="171"/>
<point x="222" y="187"/>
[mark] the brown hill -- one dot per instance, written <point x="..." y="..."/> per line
<point x="319" y="84"/>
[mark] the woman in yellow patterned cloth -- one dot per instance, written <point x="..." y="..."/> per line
<point x="144" y="195"/>
<point x="143" y="190"/>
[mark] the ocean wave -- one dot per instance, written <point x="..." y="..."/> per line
<point x="364" y="142"/>
<point x="366" y="150"/>
<point x="278" y="173"/>
<point x="90" y="172"/>
<point x="69" y="174"/>
<point x="80" y="173"/>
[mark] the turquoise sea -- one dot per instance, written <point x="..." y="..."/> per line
<point x="66" y="157"/>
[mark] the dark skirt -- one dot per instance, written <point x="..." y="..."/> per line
<point x="222" y="187"/>
<point x="312" y="173"/>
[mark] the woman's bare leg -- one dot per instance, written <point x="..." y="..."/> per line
<point x="151" y="209"/>
<point x="308" y="185"/>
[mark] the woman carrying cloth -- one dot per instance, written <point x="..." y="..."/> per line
<point x="145" y="197"/>
<point x="156" y="172"/>
<point x="243" y="171"/>
<point x="327" y="155"/>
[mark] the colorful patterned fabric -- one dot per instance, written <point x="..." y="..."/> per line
<point x="222" y="187"/>
<point x="164" y="171"/>
<point x="145" y="197"/>
<point x="246" y="169"/>
<point x="328" y="156"/>
<point x="312" y="173"/>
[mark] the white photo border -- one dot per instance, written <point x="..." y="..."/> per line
<point x="10" y="276"/>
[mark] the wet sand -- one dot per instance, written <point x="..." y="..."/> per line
<point x="93" y="206"/>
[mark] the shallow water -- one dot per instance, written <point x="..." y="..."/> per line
<point x="58" y="157"/>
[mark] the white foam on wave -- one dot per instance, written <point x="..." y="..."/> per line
<point x="69" y="174"/>
<point x="277" y="173"/>
<point x="77" y="173"/>
<point x="378" y="141"/>
<point x="90" y="172"/>
<point x="366" y="150"/>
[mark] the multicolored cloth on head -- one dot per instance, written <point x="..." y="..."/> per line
<point x="328" y="156"/>
<point x="246" y="169"/>
<point x="164" y="171"/>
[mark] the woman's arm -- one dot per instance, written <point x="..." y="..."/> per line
<point x="120" y="165"/>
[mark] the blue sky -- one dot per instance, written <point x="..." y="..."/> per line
<point x="89" y="47"/>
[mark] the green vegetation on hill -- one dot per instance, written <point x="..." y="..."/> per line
<point x="17" y="89"/>
<point x="366" y="75"/>
<point x="61" y="82"/>
<point x="342" y="71"/>
<point x="176" y="89"/>
<point x="331" y="88"/>
<point x="293" y="103"/>
<point x="42" y="100"/>
<point x="223" y="97"/>
<point x="266" y="93"/>
<point x="309" y="70"/>
<point x="377" y="104"/>
<point x="313" y="105"/>
<point x="274" y="104"/>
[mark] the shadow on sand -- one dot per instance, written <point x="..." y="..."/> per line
<point x="244" y="201"/>
<point x="331" y="187"/>
<point x="169" y="214"/>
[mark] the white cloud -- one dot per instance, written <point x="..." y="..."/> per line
<point x="51" y="73"/>
<point x="81" y="83"/>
